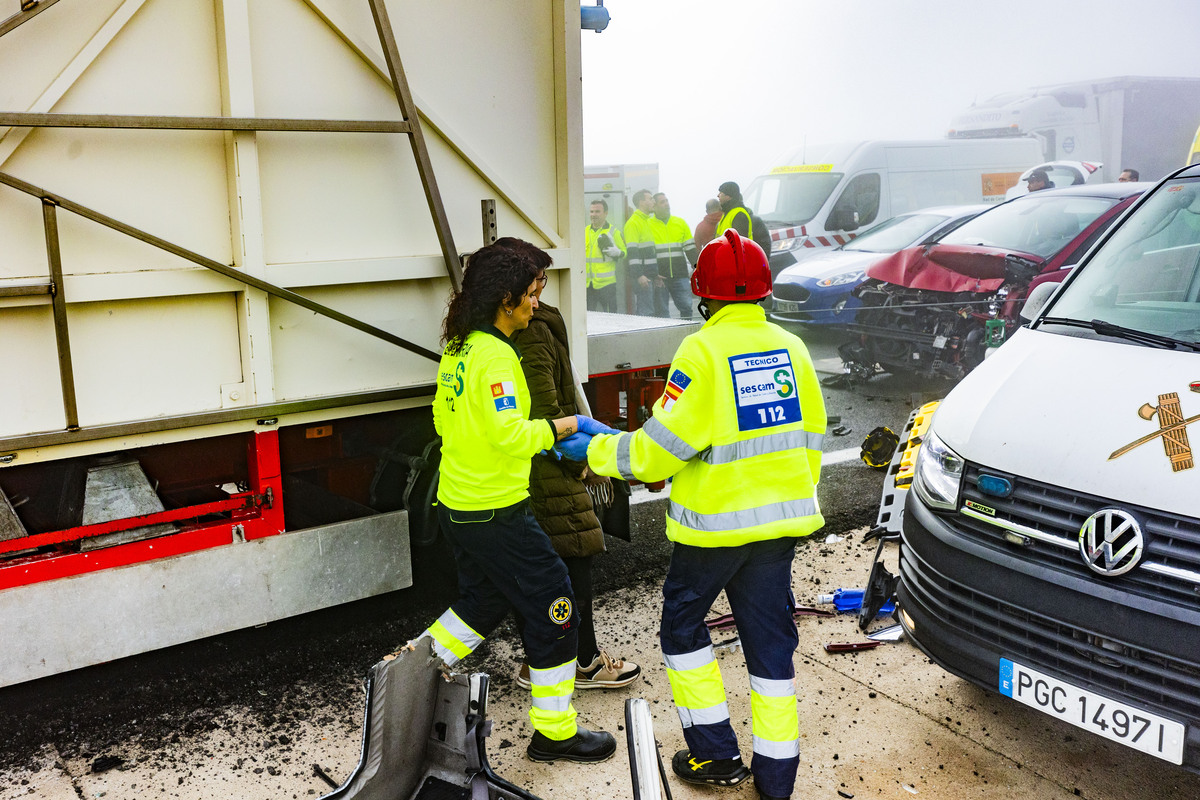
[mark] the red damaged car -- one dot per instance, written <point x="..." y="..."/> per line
<point x="935" y="309"/>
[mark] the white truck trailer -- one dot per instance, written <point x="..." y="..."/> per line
<point x="231" y="227"/>
<point x="1127" y="122"/>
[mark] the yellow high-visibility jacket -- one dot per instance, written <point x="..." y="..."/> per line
<point x="639" y="245"/>
<point x="601" y="270"/>
<point x="673" y="247"/>
<point x="740" y="428"/>
<point x="481" y="411"/>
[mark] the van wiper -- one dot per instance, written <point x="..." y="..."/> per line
<point x="1119" y="332"/>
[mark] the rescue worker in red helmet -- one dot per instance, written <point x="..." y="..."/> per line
<point x="739" y="428"/>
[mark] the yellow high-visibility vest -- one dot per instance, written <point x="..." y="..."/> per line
<point x="601" y="270"/>
<point x="727" y="221"/>
<point x="740" y="428"/>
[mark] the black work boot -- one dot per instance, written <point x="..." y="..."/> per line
<point x="711" y="772"/>
<point x="585" y="746"/>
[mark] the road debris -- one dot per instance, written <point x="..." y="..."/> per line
<point x="323" y="775"/>
<point x="850" y="647"/>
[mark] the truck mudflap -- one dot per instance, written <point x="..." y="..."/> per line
<point x="424" y="732"/>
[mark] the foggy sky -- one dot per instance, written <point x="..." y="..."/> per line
<point x="714" y="90"/>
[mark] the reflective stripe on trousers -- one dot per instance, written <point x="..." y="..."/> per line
<point x="552" y="713"/>
<point x="696" y="685"/>
<point x="776" y="719"/>
<point x="453" y="639"/>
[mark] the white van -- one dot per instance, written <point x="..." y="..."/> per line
<point x="821" y="194"/>
<point x="1051" y="541"/>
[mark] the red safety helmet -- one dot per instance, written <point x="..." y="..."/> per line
<point x="732" y="268"/>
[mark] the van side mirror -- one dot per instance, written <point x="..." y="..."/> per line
<point x="1038" y="299"/>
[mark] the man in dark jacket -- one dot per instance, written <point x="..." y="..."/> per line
<point x="559" y="499"/>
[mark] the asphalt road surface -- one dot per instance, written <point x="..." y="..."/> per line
<point x="276" y="711"/>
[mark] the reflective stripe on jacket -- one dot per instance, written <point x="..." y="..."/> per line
<point x="480" y="410"/>
<point x="740" y="428"/>
<point x="639" y="244"/>
<point x="601" y="270"/>
<point x="673" y="247"/>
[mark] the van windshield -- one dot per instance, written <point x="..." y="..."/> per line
<point x="1146" y="277"/>
<point x="792" y="198"/>
<point x="1041" y="225"/>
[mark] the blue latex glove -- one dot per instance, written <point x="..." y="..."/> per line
<point x="575" y="446"/>
<point x="592" y="427"/>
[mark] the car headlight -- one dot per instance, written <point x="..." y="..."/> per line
<point x="843" y="279"/>
<point x="938" y="474"/>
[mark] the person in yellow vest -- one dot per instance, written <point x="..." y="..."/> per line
<point x="675" y="253"/>
<point x="740" y="428"/>
<point x="504" y="559"/>
<point x="639" y="244"/>
<point x="734" y="213"/>
<point x="603" y="246"/>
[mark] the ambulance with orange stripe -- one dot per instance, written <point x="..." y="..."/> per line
<point x="821" y="195"/>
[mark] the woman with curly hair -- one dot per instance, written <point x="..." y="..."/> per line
<point x="558" y="495"/>
<point x="504" y="559"/>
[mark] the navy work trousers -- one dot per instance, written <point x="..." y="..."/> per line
<point x="757" y="580"/>
<point x="505" y="561"/>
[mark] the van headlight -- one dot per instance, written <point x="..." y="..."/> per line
<point x="938" y="474"/>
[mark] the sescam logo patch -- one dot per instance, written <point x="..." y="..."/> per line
<point x="764" y="385"/>
<point x="561" y="610"/>
<point x="504" y="395"/>
<point x="678" y="381"/>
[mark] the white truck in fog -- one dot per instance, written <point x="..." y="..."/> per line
<point x="1127" y="122"/>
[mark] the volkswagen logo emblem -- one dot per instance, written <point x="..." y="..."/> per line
<point x="1111" y="542"/>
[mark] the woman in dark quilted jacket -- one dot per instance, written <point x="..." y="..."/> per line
<point x="559" y="498"/>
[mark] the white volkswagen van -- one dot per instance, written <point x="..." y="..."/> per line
<point x="1051" y="541"/>
<point x="821" y="194"/>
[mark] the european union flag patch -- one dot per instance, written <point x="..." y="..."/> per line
<point x="678" y="381"/>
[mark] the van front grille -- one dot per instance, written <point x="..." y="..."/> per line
<point x="1172" y="542"/>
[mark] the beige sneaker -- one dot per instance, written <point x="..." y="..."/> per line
<point x="606" y="672"/>
<point x="523" y="677"/>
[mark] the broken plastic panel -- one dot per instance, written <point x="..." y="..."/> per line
<point x="424" y="735"/>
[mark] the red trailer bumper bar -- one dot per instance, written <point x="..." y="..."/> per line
<point x="250" y="515"/>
